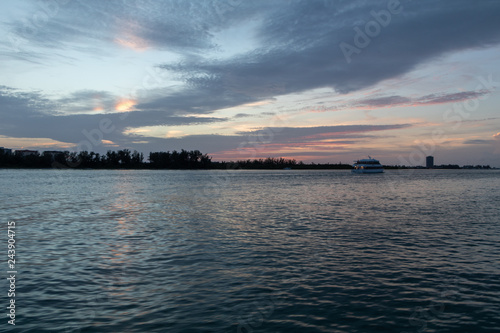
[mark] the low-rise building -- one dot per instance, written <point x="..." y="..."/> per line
<point x="26" y="152"/>
<point x="6" y="151"/>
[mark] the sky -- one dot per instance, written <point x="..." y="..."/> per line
<point x="322" y="81"/>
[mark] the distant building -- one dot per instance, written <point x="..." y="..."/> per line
<point x="429" y="161"/>
<point x="5" y="151"/>
<point x="25" y="153"/>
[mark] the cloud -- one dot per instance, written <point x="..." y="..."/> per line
<point x="283" y="141"/>
<point x="275" y="141"/>
<point x="174" y="25"/>
<point x="478" y="142"/>
<point x="497" y="136"/>
<point x="243" y="115"/>
<point x="32" y="115"/>
<point x="386" y="101"/>
<point x="87" y="101"/>
<point x="450" y="97"/>
<point x="396" y="100"/>
<point x="286" y="133"/>
<point x="297" y="44"/>
<point x="299" y="49"/>
<point x="19" y="106"/>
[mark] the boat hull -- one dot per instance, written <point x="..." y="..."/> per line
<point x="367" y="171"/>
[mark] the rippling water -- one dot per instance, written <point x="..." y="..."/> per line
<point x="254" y="251"/>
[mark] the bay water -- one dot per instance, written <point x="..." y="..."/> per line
<point x="253" y="251"/>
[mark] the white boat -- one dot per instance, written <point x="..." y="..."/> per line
<point x="368" y="165"/>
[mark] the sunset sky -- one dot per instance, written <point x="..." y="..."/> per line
<point x="323" y="81"/>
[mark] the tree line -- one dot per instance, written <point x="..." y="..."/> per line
<point x="121" y="159"/>
<point x="276" y="163"/>
<point x="267" y="163"/>
<point x="126" y="159"/>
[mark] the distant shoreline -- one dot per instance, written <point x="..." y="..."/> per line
<point x="175" y="160"/>
<point x="304" y="167"/>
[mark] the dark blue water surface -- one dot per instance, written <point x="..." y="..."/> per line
<point x="253" y="251"/>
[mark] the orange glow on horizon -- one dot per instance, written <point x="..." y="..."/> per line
<point x="33" y="143"/>
<point x="125" y="105"/>
<point x="274" y="149"/>
<point x="109" y="143"/>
